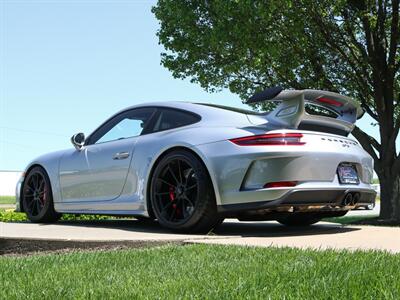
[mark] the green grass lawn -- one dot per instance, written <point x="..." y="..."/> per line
<point x="7" y="200"/>
<point x="346" y="220"/>
<point x="202" y="272"/>
<point x="362" y="220"/>
<point x="8" y="215"/>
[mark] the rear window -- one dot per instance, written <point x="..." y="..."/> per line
<point x="172" y="118"/>
<point x="234" y="109"/>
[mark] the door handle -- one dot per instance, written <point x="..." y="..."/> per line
<point x="120" y="155"/>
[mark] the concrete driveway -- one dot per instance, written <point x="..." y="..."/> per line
<point x="321" y="236"/>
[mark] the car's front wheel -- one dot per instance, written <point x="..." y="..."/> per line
<point x="182" y="195"/>
<point x="37" y="197"/>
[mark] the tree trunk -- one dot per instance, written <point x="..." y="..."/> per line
<point x="390" y="197"/>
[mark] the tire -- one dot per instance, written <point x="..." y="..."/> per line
<point x="300" y="219"/>
<point x="37" y="197"/>
<point x="219" y="222"/>
<point x="182" y="195"/>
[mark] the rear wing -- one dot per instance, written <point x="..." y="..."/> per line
<point x="291" y="110"/>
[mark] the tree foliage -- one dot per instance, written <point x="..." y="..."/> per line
<point x="350" y="47"/>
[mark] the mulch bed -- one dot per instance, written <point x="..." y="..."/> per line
<point x="18" y="247"/>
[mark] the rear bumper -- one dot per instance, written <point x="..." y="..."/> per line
<point x="326" y="198"/>
<point x="239" y="173"/>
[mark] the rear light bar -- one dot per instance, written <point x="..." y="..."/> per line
<point x="280" y="184"/>
<point x="330" y="101"/>
<point x="270" y="139"/>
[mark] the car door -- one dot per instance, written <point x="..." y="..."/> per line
<point x="98" y="171"/>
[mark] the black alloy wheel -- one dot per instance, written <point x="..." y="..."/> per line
<point x="177" y="191"/>
<point x="182" y="195"/>
<point x="37" y="197"/>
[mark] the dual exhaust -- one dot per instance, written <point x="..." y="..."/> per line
<point x="351" y="199"/>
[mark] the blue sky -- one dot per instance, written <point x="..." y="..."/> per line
<point x="66" y="66"/>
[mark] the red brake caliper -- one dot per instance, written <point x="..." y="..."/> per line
<point x="172" y="198"/>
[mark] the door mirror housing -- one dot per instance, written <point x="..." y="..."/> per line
<point x="78" y="140"/>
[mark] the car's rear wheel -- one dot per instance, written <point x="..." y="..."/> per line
<point x="300" y="219"/>
<point x="37" y="197"/>
<point x="181" y="194"/>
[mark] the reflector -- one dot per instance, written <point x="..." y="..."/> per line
<point x="280" y="184"/>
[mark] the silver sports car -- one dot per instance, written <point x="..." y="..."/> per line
<point x="190" y="165"/>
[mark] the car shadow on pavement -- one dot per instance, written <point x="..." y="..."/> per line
<point x="274" y="229"/>
<point x="229" y="228"/>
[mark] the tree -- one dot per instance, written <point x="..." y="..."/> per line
<point x="350" y="47"/>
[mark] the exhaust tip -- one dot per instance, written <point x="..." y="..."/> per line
<point x="348" y="199"/>
<point x="356" y="198"/>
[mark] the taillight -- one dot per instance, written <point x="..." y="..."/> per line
<point x="280" y="184"/>
<point x="329" y="101"/>
<point x="270" y="139"/>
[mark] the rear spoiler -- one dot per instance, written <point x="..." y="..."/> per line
<point x="291" y="111"/>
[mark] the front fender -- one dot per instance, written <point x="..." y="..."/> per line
<point x="50" y="163"/>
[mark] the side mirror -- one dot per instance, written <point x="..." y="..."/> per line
<point x="78" y="140"/>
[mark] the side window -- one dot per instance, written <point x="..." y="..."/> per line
<point x="172" y="118"/>
<point x="125" y="125"/>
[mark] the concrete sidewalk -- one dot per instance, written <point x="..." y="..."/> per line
<point x="264" y="234"/>
<point x="321" y="236"/>
<point x="7" y="206"/>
